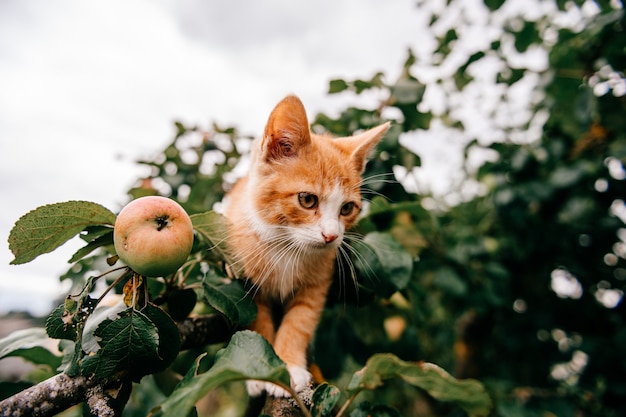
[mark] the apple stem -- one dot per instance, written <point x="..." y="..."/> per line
<point x="117" y="281"/>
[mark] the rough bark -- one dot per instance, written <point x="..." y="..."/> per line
<point x="287" y="407"/>
<point x="46" y="398"/>
<point x="203" y="330"/>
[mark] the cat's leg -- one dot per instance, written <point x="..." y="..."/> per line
<point x="264" y="325"/>
<point x="295" y="333"/>
<point x="264" y="321"/>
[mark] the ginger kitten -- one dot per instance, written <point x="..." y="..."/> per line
<point x="287" y="220"/>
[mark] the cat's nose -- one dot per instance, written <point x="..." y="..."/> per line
<point x="329" y="237"/>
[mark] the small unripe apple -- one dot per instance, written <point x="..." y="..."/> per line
<point x="153" y="235"/>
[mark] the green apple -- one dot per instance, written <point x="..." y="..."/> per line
<point x="153" y="235"/>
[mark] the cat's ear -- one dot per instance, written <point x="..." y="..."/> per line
<point x="363" y="142"/>
<point x="287" y="130"/>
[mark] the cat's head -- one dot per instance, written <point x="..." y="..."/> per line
<point x="306" y="187"/>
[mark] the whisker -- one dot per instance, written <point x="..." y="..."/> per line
<point x="384" y="178"/>
<point x="270" y="259"/>
<point x="345" y="255"/>
<point x="344" y="251"/>
<point x="379" y="178"/>
<point x="367" y="191"/>
<point x="354" y="240"/>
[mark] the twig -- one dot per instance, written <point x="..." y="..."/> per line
<point x="347" y="404"/>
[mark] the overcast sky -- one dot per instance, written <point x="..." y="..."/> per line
<point x="87" y="87"/>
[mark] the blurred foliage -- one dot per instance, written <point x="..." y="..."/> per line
<point x="521" y="285"/>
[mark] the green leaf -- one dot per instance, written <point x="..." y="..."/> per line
<point x="20" y="339"/>
<point x="511" y="75"/>
<point x="48" y="227"/>
<point x="72" y="352"/>
<point x="324" y="399"/>
<point x="67" y="320"/>
<point x="380" y="205"/>
<point x="212" y="227"/>
<point x="568" y="176"/>
<point x="129" y="343"/>
<point x="337" y="86"/>
<point x="92" y="233"/>
<point x="526" y="37"/>
<point x="413" y="119"/>
<point x="446" y="42"/>
<point x="97" y="242"/>
<point x="468" y="394"/>
<point x="383" y="265"/>
<point x="231" y="300"/>
<point x="408" y="91"/>
<point x="247" y="356"/>
<point x="169" y="338"/>
<point x="493" y="5"/>
<point x="38" y="355"/>
<point x="397" y="264"/>
<point x="448" y="280"/>
<point x="410" y="60"/>
<point x="27" y="344"/>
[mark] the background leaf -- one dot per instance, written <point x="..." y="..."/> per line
<point x="28" y="344"/>
<point x="385" y="263"/>
<point x="20" y="339"/>
<point x="231" y="300"/>
<point x="212" y="227"/>
<point x="337" y="86"/>
<point x="468" y="394"/>
<point x="38" y="355"/>
<point x="48" y="227"/>
<point x="324" y="399"/>
<point x="169" y="338"/>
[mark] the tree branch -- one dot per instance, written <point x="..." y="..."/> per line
<point x="61" y="391"/>
<point x="288" y="407"/>
<point x="46" y="398"/>
<point x="204" y="330"/>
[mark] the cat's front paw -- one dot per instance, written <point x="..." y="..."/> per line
<point x="276" y="391"/>
<point x="300" y="377"/>
<point x="255" y="388"/>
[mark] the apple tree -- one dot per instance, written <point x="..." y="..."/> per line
<point x="514" y="277"/>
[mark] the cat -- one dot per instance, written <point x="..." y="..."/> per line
<point x="287" y="219"/>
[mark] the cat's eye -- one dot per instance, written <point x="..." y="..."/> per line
<point x="308" y="201"/>
<point x="347" y="209"/>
